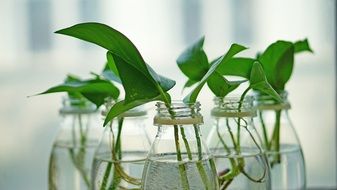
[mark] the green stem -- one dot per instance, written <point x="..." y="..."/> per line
<point x="200" y="167"/>
<point x="264" y="131"/>
<point x="275" y="142"/>
<point x="182" y="169"/>
<point x="79" y="159"/>
<point x="109" y="165"/>
<point x="239" y="119"/>
<point x="187" y="146"/>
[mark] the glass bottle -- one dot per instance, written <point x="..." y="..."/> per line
<point x="236" y="146"/>
<point x="120" y="156"/>
<point x="73" y="150"/>
<point x="179" y="158"/>
<point x="281" y="143"/>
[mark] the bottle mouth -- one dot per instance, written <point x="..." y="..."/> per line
<point x="73" y="105"/>
<point x="234" y="106"/>
<point x="178" y="113"/>
<point x="266" y="102"/>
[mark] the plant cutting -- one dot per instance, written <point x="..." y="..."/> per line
<point x="279" y="137"/>
<point x="193" y="62"/>
<point x="73" y="149"/>
<point x="140" y="82"/>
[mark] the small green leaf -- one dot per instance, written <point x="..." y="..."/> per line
<point x="302" y="45"/>
<point x="237" y="66"/>
<point x="110" y="71"/>
<point x="95" y="90"/>
<point x="123" y="106"/>
<point x="220" y="86"/>
<point x="189" y="83"/>
<point x="136" y="85"/>
<point x="193" y="61"/>
<point x="258" y="81"/>
<point x="233" y="50"/>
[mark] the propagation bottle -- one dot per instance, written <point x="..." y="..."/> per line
<point x="281" y="143"/>
<point x="236" y="146"/>
<point x="73" y="149"/>
<point x="120" y="156"/>
<point x="179" y="158"/>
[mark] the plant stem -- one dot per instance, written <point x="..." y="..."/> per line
<point x="275" y="142"/>
<point x="187" y="146"/>
<point x="264" y="131"/>
<point x="182" y="169"/>
<point x="79" y="159"/>
<point x="238" y="147"/>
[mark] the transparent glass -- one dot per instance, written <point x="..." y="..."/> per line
<point x="179" y="158"/>
<point x="73" y="150"/>
<point x="120" y="156"/>
<point x="236" y="146"/>
<point x="281" y="143"/>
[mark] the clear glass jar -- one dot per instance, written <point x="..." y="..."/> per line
<point x="236" y="146"/>
<point x="179" y="158"/>
<point x="120" y="156"/>
<point x="73" y="149"/>
<point x="281" y="143"/>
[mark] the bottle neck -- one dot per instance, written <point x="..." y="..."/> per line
<point x="72" y="105"/>
<point x="234" y="107"/>
<point x="178" y="113"/>
<point x="266" y="102"/>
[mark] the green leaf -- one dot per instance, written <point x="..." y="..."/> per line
<point x="277" y="61"/>
<point x="108" y="38"/>
<point x="110" y="71"/>
<point x="237" y="66"/>
<point x="122" y="106"/>
<point x="193" y="61"/>
<point x="258" y="81"/>
<point x="138" y="86"/>
<point x="189" y="83"/>
<point x="302" y="45"/>
<point x="139" y="81"/>
<point x="95" y="90"/>
<point x="220" y="86"/>
<point x="233" y="50"/>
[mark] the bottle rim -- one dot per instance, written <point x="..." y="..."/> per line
<point x="266" y="102"/>
<point x="178" y="113"/>
<point x="77" y="106"/>
<point x="233" y="106"/>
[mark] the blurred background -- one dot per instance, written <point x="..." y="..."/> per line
<point x="32" y="58"/>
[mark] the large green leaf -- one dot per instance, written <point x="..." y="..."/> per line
<point x="95" y="90"/>
<point x="277" y="61"/>
<point x="193" y="61"/>
<point x="237" y="66"/>
<point x="108" y="38"/>
<point x="221" y="86"/>
<point x="233" y="50"/>
<point x="140" y="82"/>
<point x="258" y="81"/>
